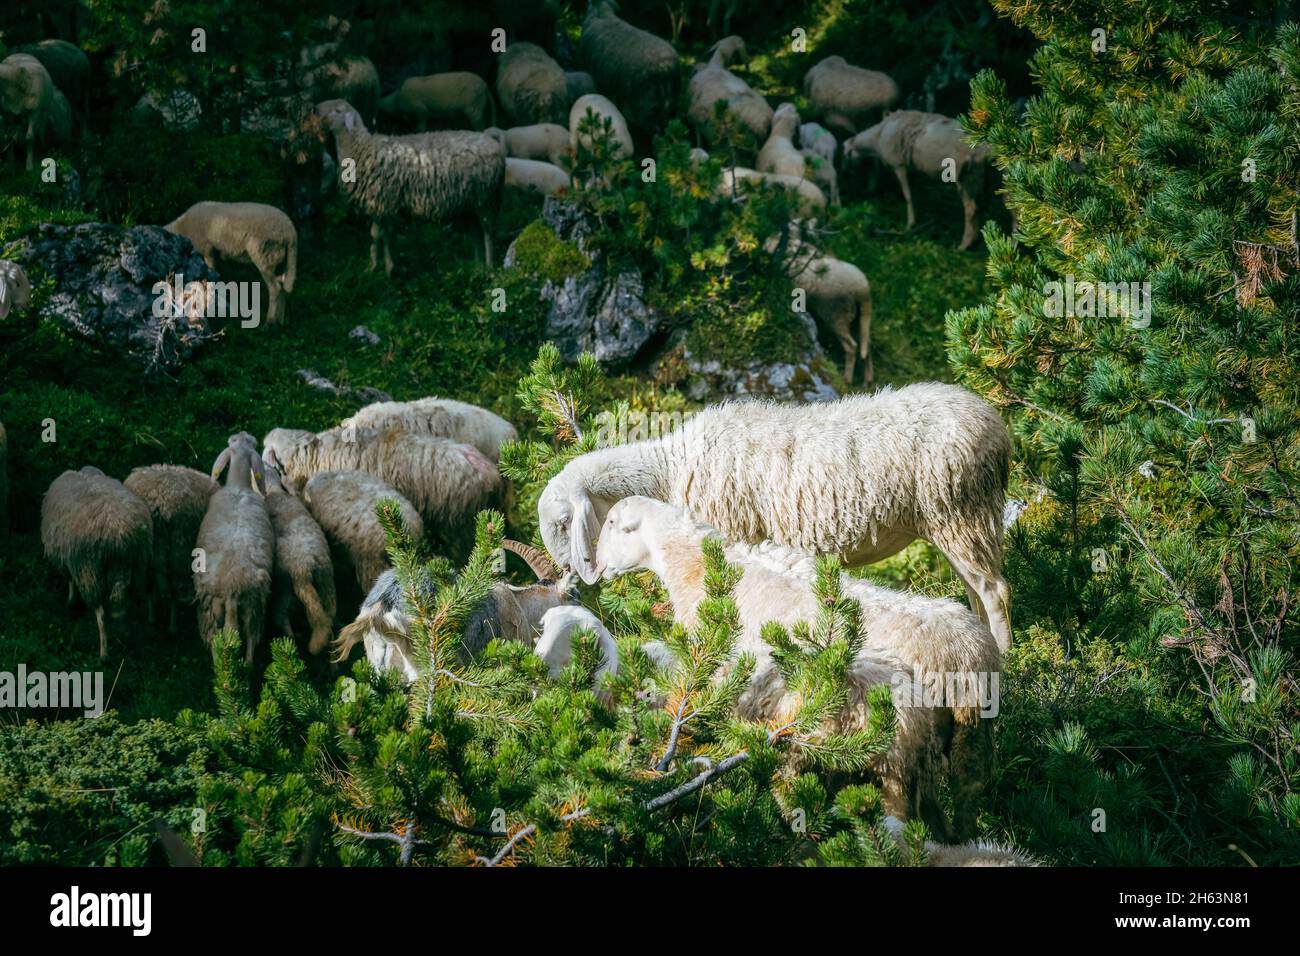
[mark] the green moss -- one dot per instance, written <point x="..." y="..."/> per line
<point x="540" y="251"/>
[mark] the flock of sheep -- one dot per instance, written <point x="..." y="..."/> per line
<point x="859" y="478"/>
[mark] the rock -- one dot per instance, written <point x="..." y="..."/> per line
<point x="591" y="310"/>
<point x="177" y="110"/>
<point x="783" y="381"/>
<point x="364" y="336"/>
<point x="104" y="278"/>
<point x="365" y="393"/>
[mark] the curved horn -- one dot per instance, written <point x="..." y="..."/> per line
<point x="539" y="561"/>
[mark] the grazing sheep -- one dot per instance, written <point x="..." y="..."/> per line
<point x="15" y="287"/>
<point x="845" y="97"/>
<point x="28" y="93"/>
<point x="439" y="418"/>
<point x="352" y="79"/>
<point x="543" y="141"/>
<point x="810" y="203"/>
<point x="838" y="296"/>
<point x="632" y="66"/>
<point x="343" y="504"/>
<point x="510" y="613"/>
<point x="908" y="642"/>
<point x="245" y="232"/>
<point x="600" y="109"/>
<point x="238" y="548"/>
<point x="819" y="147"/>
<point x="535" y="176"/>
<point x="531" y="86"/>
<point x="448" y="482"/>
<point x="178" y="499"/>
<point x="859" y="478"/>
<point x="577" y="83"/>
<point x="972" y="853"/>
<point x="302" y="565"/>
<point x="934" y="146"/>
<point x="555" y="646"/>
<point x="779" y="155"/>
<point x="100" y="535"/>
<point x="428" y="175"/>
<point x="713" y="83"/>
<point x="449" y="100"/>
<point x="67" y="65"/>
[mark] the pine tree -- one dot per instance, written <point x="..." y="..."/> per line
<point x="1158" y="430"/>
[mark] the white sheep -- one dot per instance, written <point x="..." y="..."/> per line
<point x="454" y="100"/>
<point x="237" y="548"/>
<point x="28" y="92"/>
<point x="536" y="176"/>
<point x="251" y="232"/>
<point x="302" y="569"/>
<point x="713" y="83"/>
<point x="531" y="86"/>
<point x="100" y="535"/>
<point x="837" y="293"/>
<point x="427" y="175"/>
<point x="542" y="141"/>
<point x="909" y="641"/>
<point x="846" y="97"/>
<point x="780" y="155"/>
<point x="178" y="499"/>
<point x="934" y="146"/>
<point x="632" y="66"/>
<point x="67" y="65"/>
<point x="448" y="482"/>
<point x="599" y="109"/>
<point x="343" y="504"/>
<point x="810" y="203"/>
<point x="859" y="478"/>
<point x="819" y="148"/>
<point x="15" y="287"/>
<point x="439" y="418"/>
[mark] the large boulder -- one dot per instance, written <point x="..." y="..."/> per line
<point x="104" y="280"/>
<point x="593" y="309"/>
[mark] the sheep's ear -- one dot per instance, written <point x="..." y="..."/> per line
<point x="584" y="529"/>
<point x="220" y="464"/>
<point x="259" y="472"/>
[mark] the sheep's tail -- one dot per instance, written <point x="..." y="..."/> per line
<point x="317" y="597"/>
<point x="290" y="266"/>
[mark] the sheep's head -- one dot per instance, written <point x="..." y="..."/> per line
<point x="728" y="50"/>
<point x="569" y="527"/>
<point x="623" y="546"/>
<point x="555" y="646"/>
<point x="785" y="120"/>
<point x="866" y="143"/>
<point x="339" y="116"/>
<point x="242" y="446"/>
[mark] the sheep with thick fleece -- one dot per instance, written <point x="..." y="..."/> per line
<point x="845" y="97"/>
<point x="428" y="175"/>
<point x="531" y="86"/>
<point x="909" y="642"/>
<point x="600" y="109"/>
<point x="510" y="613"/>
<point x="439" y="418"/>
<point x="819" y="148"/>
<point x="451" y="100"/>
<point x="536" y="176"/>
<point x="15" y="287"/>
<point x="67" y="65"/>
<point x="237" y="545"/>
<point x="28" y="92"/>
<point x="713" y="83"/>
<point x="178" y="499"/>
<point x="100" y="535"/>
<point x="632" y="66"/>
<point x="838" y="295"/>
<point x="934" y="146"/>
<point x="542" y="141"/>
<point x="809" y="201"/>
<point x="343" y="504"/>
<point x="251" y="232"/>
<point x="859" y="478"/>
<point x="302" y="569"/>
<point x="448" y="482"/>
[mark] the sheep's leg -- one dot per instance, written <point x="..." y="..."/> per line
<point x="275" y="303"/>
<point x="72" y="593"/>
<point x="990" y="598"/>
<point x="901" y="173"/>
<point x="388" y="254"/>
<point x="483" y="227"/>
<point x="376" y="233"/>
<point x="968" y="210"/>
<point x="849" y="346"/>
<point x="103" y="632"/>
<point x="31" y="142"/>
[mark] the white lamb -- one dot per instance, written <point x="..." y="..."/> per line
<point x="909" y="641"/>
<point x="859" y="478"/>
<point x="536" y="176"/>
